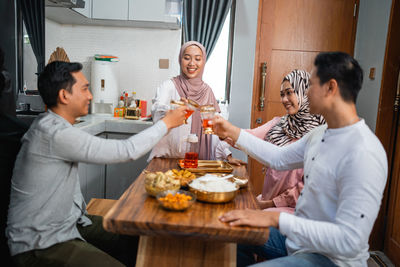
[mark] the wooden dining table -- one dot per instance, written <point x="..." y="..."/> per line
<point x="194" y="237"/>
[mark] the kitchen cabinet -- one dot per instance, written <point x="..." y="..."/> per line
<point x="120" y="176"/>
<point x="118" y="13"/>
<point x="92" y="178"/>
<point x="148" y="10"/>
<point x="106" y="9"/>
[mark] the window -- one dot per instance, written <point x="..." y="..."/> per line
<point x="217" y="71"/>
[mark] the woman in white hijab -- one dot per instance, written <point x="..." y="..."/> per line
<point x="188" y="85"/>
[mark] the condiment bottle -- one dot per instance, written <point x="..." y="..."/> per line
<point x="191" y="155"/>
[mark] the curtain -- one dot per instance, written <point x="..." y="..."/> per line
<point x="33" y="16"/>
<point x="203" y="21"/>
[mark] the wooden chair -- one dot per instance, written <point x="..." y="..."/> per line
<point x="100" y="206"/>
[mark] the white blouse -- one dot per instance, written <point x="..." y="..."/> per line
<point x="172" y="145"/>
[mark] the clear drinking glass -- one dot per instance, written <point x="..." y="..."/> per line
<point x="207" y="113"/>
<point x="191" y="107"/>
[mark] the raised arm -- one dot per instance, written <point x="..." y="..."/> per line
<point x="75" y="145"/>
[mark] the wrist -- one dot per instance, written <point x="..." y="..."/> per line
<point x="235" y="132"/>
<point x="167" y="124"/>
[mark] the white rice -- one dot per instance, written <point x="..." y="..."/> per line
<point x="212" y="183"/>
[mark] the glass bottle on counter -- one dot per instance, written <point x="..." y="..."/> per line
<point x="191" y="155"/>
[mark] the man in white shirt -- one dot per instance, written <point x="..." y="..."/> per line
<point x="47" y="222"/>
<point x="345" y="171"/>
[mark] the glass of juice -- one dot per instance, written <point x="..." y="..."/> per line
<point x="207" y="113"/>
<point x="190" y="109"/>
<point x="191" y="155"/>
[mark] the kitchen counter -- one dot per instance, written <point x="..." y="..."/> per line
<point x="99" y="123"/>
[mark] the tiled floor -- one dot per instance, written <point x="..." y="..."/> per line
<point x="378" y="259"/>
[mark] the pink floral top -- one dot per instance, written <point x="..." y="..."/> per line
<point x="282" y="187"/>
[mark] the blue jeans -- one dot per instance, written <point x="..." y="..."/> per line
<point x="274" y="251"/>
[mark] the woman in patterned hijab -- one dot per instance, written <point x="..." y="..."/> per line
<point x="282" y="188"/>
<point x="293" y="126"/>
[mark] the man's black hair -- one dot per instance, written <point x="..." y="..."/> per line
<point x="344" y="69"/>
<point x="56" y="76"/>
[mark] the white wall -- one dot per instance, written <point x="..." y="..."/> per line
<point x="244" y="46"/>
<point x="372" y="28"/>
<point x="138" y="49"/>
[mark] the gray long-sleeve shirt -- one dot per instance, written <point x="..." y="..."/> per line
<point x="46" y="202"/>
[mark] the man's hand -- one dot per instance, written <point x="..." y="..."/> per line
<point x="225" y="129"/>
<point x="175" y="117"/>
<point x="235" y="161"/>
<point x="256" y="218"/>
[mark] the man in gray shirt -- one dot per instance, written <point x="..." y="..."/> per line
<point x="47" y="222"/>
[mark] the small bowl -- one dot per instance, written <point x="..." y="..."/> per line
<point x="152" y="191"/>
<point x="180" y="205"/>
<point x="214" y="197"/>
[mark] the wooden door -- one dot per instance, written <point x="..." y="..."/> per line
<point x="290" y="34"/>
<point x="392" y="237"/>
<point x="387" y="226"/>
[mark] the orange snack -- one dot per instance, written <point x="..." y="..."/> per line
<point x="176" y="202"/>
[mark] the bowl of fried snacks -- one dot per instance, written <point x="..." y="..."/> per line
<point x="184" y="176"/>
<point x="176" y="200"/>
<point x="156" y="182"/>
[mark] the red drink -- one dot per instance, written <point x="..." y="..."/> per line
<point x="188" y="113"/>
<point x="205" y="124"/>
<point x="190" y="160"/>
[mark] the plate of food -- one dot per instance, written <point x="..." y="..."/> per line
<point x="156" y="182"/>
<point x="184" y="176"/>
<point x="213" y="189"/>
<point x="176" y="200"/>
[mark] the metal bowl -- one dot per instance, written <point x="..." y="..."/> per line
<point x="214" y="197"/>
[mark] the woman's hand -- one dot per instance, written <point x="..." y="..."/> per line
<point x="224" y="129"/>
<point x="264" y="204"/>
<point x="256" y="218"/>
<point x="174" y="118"/>
<point x="235" y="161"/>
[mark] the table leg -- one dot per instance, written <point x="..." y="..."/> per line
<point x="179" y="251"/>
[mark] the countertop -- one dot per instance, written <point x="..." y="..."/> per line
<point x="99" y="123"/>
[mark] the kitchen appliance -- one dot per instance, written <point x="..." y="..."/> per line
<point x="104" y="86"/>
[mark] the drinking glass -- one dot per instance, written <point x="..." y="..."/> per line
<point x="191" y="107"/>
<point x="207" y="113"/>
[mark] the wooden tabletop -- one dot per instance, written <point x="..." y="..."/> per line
<point x="137" y="213"/>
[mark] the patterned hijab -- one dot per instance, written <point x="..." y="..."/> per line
<point x="293" y="127"/>
<point x="196" y="89"/>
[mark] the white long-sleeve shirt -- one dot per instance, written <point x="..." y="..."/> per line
<point x="173" y="144"/>
<point x="345" y="172"/>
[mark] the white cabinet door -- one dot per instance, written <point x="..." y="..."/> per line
<point x="87" y="10"/>
<point x="147" y="10"/>
<point x="121" y="175"/>
<point x="107" y="9"/>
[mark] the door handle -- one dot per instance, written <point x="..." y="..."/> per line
<point x="397" y="98"/>
<point x="262" y="88"/>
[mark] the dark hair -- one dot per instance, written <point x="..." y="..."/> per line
<point x="54" y="77"/>
<point x="344" y="69"/>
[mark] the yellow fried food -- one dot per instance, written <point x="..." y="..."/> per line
<point x="176" y="202"/>
<point x="184" y="176"/>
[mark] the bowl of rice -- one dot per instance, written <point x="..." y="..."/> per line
<point x="213" y="189"/>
